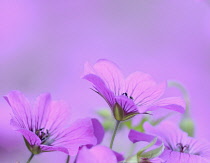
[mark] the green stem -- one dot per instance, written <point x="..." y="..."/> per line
<point x="30" y="158"/>
<point x="132" y="149"/>
<point x="114" y="133"/>
<point x="68" y="159"/>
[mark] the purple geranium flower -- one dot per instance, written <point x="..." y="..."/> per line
<point x="179" y="147"/>
<point x="127" y="97"/>
<point x="43" y="125"/>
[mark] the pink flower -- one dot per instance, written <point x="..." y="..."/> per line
<point x="43" y="125"/>
<point x="179" y="147"/>
<point x="127" y="97"/>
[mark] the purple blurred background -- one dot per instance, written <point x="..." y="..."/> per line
<point x="43" y="46"/>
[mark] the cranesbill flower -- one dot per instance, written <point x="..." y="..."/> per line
<point x="43" y="125"/>
<point x="127" y="97"/>
<point x="179" y="147"/>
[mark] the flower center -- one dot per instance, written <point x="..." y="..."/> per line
<point x="126" y="94"/>
<point x="145" y="160"/>
<point x="42" y="134"/>
<point x="183" y="148"/>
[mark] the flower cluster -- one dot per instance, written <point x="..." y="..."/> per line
<point x="43" y="123"/>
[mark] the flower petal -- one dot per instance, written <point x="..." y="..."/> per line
<point x="46" y="148"/>
<point x="149" y="93"/>
<point x="97" y="154"/>
<point x="21" y="109"/>
<point x="98" y="130"/>
<point x="119" y="156"/>
<point x="171" y="135"/>
<point x="57" y="116"/>
<point x="136" y="136"/>
<point x="31" y="137"/>
<point x="135" y="83"/>
<point x="172" y="103"/>
<point x="156" y="160"/>
<point x="79" y="133"/>
<point x="174" y="157"/>
<point x="42" y="110"/>
<point x="109" y="73"/>
<point x="101" y="89"/>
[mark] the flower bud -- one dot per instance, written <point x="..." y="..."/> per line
<point x="187" y="125"/>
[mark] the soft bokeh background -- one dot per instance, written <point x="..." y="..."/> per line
<point x="43" y="46"/>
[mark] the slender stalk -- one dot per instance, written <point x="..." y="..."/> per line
<point x="114" y="134"/>
<point x="68" y="159"/>
<point x="75" y="160"/>
<point x="30" y="158"/>
<point x="132" y="149"/>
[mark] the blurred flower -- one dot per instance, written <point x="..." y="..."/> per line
<point x="138" y="93"/>
<point x="179" y="147"/>
<point x="98" y="154"/>
<point x="42" y="125"/>
<point x="150" y="152"/>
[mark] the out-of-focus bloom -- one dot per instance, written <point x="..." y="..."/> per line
<point x="150" y="152"/>
<point x="179" y="147"/>
<point x="43" y="125"/>
<point x="98" y="154"/>
<point x="127" y="97"/>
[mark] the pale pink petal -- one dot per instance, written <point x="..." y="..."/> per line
<point x="171" y="135"/>
<point x="97" y="154"/>
<point x="199" y="146"/>
<point x="31" y="137"/>
<point x="109" y="73"/>
<point x="50" y="115"/>
<point x="46" y="148"/>
<point x="136" y="136"/>
<point x="137" y="82"/>
<point x="78" y="134"/>
<point x="88" y="69"/>
<point x="164" y="114"/>
<point x="177" y="157"/>
<point x="149" y="94"/>
<point x="57" y="117"/>
<point x="172" y="103"/>
<point x="42" y="110"/>
<point x="101" y="89"/>
<point x="21" y="109"/>
<point x="14" y="123"/>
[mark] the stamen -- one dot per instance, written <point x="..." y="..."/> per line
<point x="183" y="149"/>
<point x="42" y="134"/>
<point x="125" y="94"/>
<point x="131" y="97"/>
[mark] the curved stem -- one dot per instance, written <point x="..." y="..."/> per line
<point x="68" y="159"/>
<point x="30" y="158"/>
<point x="114" y="134"/>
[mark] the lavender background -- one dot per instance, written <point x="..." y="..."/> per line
<point x="43" y="46"/>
